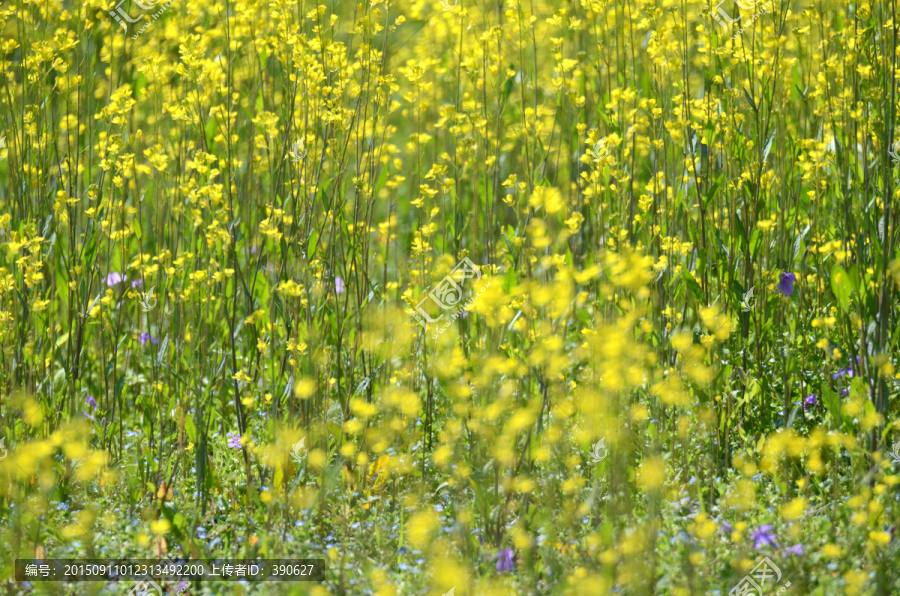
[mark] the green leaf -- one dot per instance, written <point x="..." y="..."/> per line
<point x="755" y="242"/>
<point x="191" y="429"/>
<point x="798" y="244"/>
<point x="840" y="285"/>
<point x="712" y="191"/>
<point x="692" y="284"/>
<point x="382" y="180"/>
<point x="62" y="339"/>
<point x="750" y="100"/>
<point x="310" y="246"/>
<point x="832" y="404"/>
<point x="768" y="147"/>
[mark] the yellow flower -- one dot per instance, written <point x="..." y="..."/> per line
<point x="160" y="527"/>
<point x="832" y="551"/>
<point x="793" y="509"/>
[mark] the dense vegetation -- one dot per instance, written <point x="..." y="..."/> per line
<point x="231" y="235"/>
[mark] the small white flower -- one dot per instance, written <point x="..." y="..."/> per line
<point x="3" y="150"/>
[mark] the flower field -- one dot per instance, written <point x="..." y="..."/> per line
<point x="458" y="298"/>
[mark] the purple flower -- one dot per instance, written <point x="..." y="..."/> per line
<point x="786" y="283"/>
<point x="234" y="440"/>
<point x="91" y="401"/>
<point x="505" y="561"/>
<point x="726" y="528"/>
<point x="138" y="283"/>
<point x="797" y="550"/>
<point x="811" y="401"/>
<point x="338" y="285"/>
<point x="145" y="337"/>
<point x="86" y="415"/>
<point x="763" y="536"/>
<point x="114" y="279"/>
<point x="843" y="372"/>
